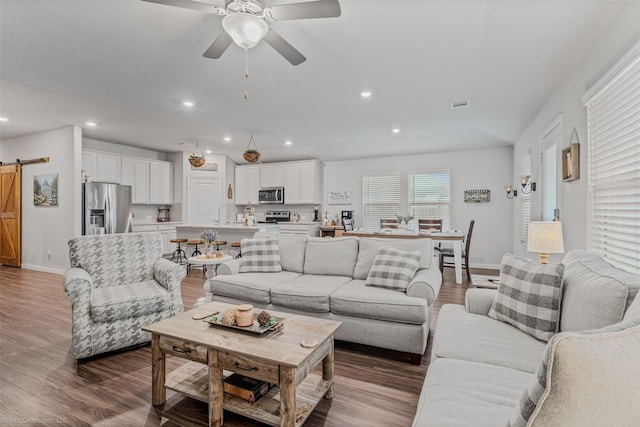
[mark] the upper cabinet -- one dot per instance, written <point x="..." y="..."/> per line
<point x="302" y="181"/>
<point x="160" y="179"/>
<point x="247" y="184"/>
<point x="151" y="181"/>
<point x="272" y="175"/>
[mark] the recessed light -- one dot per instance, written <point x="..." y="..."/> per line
<point x="288" y="143"/>
<point x="92" y="124"/>
<point x="395" y="130"/>
<point x="227" y="139"/>
<point x="3" y="119"/>
<point x="208" y="151"/>
<point x="188" y="104"/>
<point x="365" y="94"/>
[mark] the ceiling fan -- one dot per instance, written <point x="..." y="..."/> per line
<point x="245" y="22"/>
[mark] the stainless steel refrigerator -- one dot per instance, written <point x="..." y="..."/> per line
<point x="106" y="208"/>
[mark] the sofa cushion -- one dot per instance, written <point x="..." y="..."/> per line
<point x="369" y="247"/>
<point x="478" y="338"/>
<point x="356" y="299"/>
<point x="529" y="296"/>
<point x="393" y="269"/>
<point x="331" y="257"/>
<point x="633" y="312"/>
<point x="260" y="255"/>
<point x="308" y="292"/>
<point x="587" y="378"/>
<point x="131" y="300"/>
<point x="249" y="287"/>
<point x="595" y="294"/>
<point x="461" y="393"/>
<point x="292" y="252"/>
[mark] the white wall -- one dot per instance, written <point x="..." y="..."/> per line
<point x="470" y="170"/>
<point x="621" y="34"/>
<point x="49" y="228"/>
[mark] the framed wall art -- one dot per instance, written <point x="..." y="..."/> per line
<point x="45" y="190"/>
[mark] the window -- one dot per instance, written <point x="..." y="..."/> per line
<point x="613" y="107"/>
<point x="525" y="200"/>
<point x="380" y="199"/>
<point x="430" y="197"/>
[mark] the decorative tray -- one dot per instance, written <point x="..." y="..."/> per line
<point x="254" y="329"/>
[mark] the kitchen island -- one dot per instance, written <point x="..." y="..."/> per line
<point x="233" y="232"/>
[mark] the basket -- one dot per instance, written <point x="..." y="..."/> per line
<point x="251" y="156"/>
<point x="196" y="161"/>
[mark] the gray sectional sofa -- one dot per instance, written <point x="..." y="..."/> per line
<point x="483" y="371"/>
<point x="325" y="278"/>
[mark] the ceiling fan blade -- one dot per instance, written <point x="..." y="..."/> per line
<point x="218" y="47"/>
<point x="188" y="4"/>
<point x="307" y="10"/>
<point x="283" y="47"/>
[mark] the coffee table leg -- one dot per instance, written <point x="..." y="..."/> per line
<point x="216" y="390"/>
<point x="287" y="396"/>
<point x="158" y="372"/>
<point x="327" y="371"/>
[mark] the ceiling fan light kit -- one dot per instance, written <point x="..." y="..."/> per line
<point x="245" y="29"/>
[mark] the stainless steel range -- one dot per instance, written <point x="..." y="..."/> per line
<point x="276" y="216"/>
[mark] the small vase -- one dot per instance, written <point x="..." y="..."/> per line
<point x="209" y="251"/>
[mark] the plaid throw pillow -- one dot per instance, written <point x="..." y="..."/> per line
<point x="529" y="296"/>
<point x="260" y="255"/>
<point x="393" y="269"/>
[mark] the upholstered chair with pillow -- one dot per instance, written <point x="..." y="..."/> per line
<point x="119" y="283"/>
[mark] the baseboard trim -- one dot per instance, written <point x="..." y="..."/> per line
<point x="43" y="269"/>
<point x="487" y="266"/>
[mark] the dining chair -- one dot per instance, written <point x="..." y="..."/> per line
<point x="448" y="253"/>
<point x="430" y="224"/>
<point x="388" y="223"/>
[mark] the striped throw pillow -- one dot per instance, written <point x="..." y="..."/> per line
<point x="260" y="255"/>
<point x="529" y="296"/>
<point x="393" y="269"/>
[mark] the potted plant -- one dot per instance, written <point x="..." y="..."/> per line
<point x="196" y="160"/>
<point x="209" y="236"/>
<point x="404" y="220"/>
<point x="251" y="155"/>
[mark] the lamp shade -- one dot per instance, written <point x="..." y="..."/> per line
<point x="245" y="29"/>
<point x="545" y="237"/>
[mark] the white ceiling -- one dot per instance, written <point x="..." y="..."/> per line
<point x="128" y="65"/>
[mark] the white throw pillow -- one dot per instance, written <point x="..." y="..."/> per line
<point x="260" y="255"/>
<point x="528" y="296"/>
<point x="393" y="269"/>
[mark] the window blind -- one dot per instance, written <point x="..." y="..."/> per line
<point x="525" y="200"/>
<point x="380" y="199"/>
<point x="430" y="197"/>
<point x="614" y="165"/>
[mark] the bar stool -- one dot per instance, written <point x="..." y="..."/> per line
<point x="219" y="243"/>
<point x="236" y="246"/>
<point x="195" y="252"/>
<point x="179" y="256"/>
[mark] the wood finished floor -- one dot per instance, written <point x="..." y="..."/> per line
<point x="41" y="384"/>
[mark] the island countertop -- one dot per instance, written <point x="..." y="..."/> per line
<point x="233" y="227"/>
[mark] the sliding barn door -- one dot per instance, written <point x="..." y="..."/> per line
<point x="10" y="228"/>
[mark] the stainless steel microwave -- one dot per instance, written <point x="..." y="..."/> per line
<point x="271" y="195"/>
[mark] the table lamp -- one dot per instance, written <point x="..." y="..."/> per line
<point x="545" y="237"/>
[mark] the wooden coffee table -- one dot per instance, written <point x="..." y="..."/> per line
<point x="276" y="357"/>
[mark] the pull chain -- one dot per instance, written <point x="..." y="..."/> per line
<point x="246" y="74"/>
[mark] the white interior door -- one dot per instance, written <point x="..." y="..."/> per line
<point x="550" y="141"/>
<point x="204" y="198"/>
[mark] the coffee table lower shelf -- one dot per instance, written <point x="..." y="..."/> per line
<point x="191" y="379"/>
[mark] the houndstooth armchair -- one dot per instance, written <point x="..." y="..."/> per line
<point x="119" y="283"/>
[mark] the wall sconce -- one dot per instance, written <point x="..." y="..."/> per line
<point x="525" y="187"/>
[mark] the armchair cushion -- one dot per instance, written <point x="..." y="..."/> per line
<point x="130" y="300"/>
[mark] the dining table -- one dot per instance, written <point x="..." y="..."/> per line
<point x="454" y="237"/>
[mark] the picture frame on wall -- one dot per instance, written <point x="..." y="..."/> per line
<point x="45" y="190"/>
<point x="339" y="198"/>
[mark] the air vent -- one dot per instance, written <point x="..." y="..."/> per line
<point x="459" y="104"/>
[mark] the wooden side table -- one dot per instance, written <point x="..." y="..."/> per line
<point x="210" y="273"/>
<point x="329" y="230"/>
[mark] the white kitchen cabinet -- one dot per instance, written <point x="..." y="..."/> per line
<point x="247" y="185"/>
<point x="302" y="183"/>
<point x="160" y="180"/>
<point x="127" y="173"/>
<point x="297" y="229"/>
<point x="140" y="190"/>
<point x="90" y="164"/>
<point x="272" y="175"/>
<point x="108" y="168"/>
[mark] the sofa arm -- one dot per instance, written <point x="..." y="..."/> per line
<point x="169" y="275"/>
<point x="77" y="284"/>
<point x="229" y="267"/>
<point x="426" y="284"/>
<point x="479" y="300"/>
